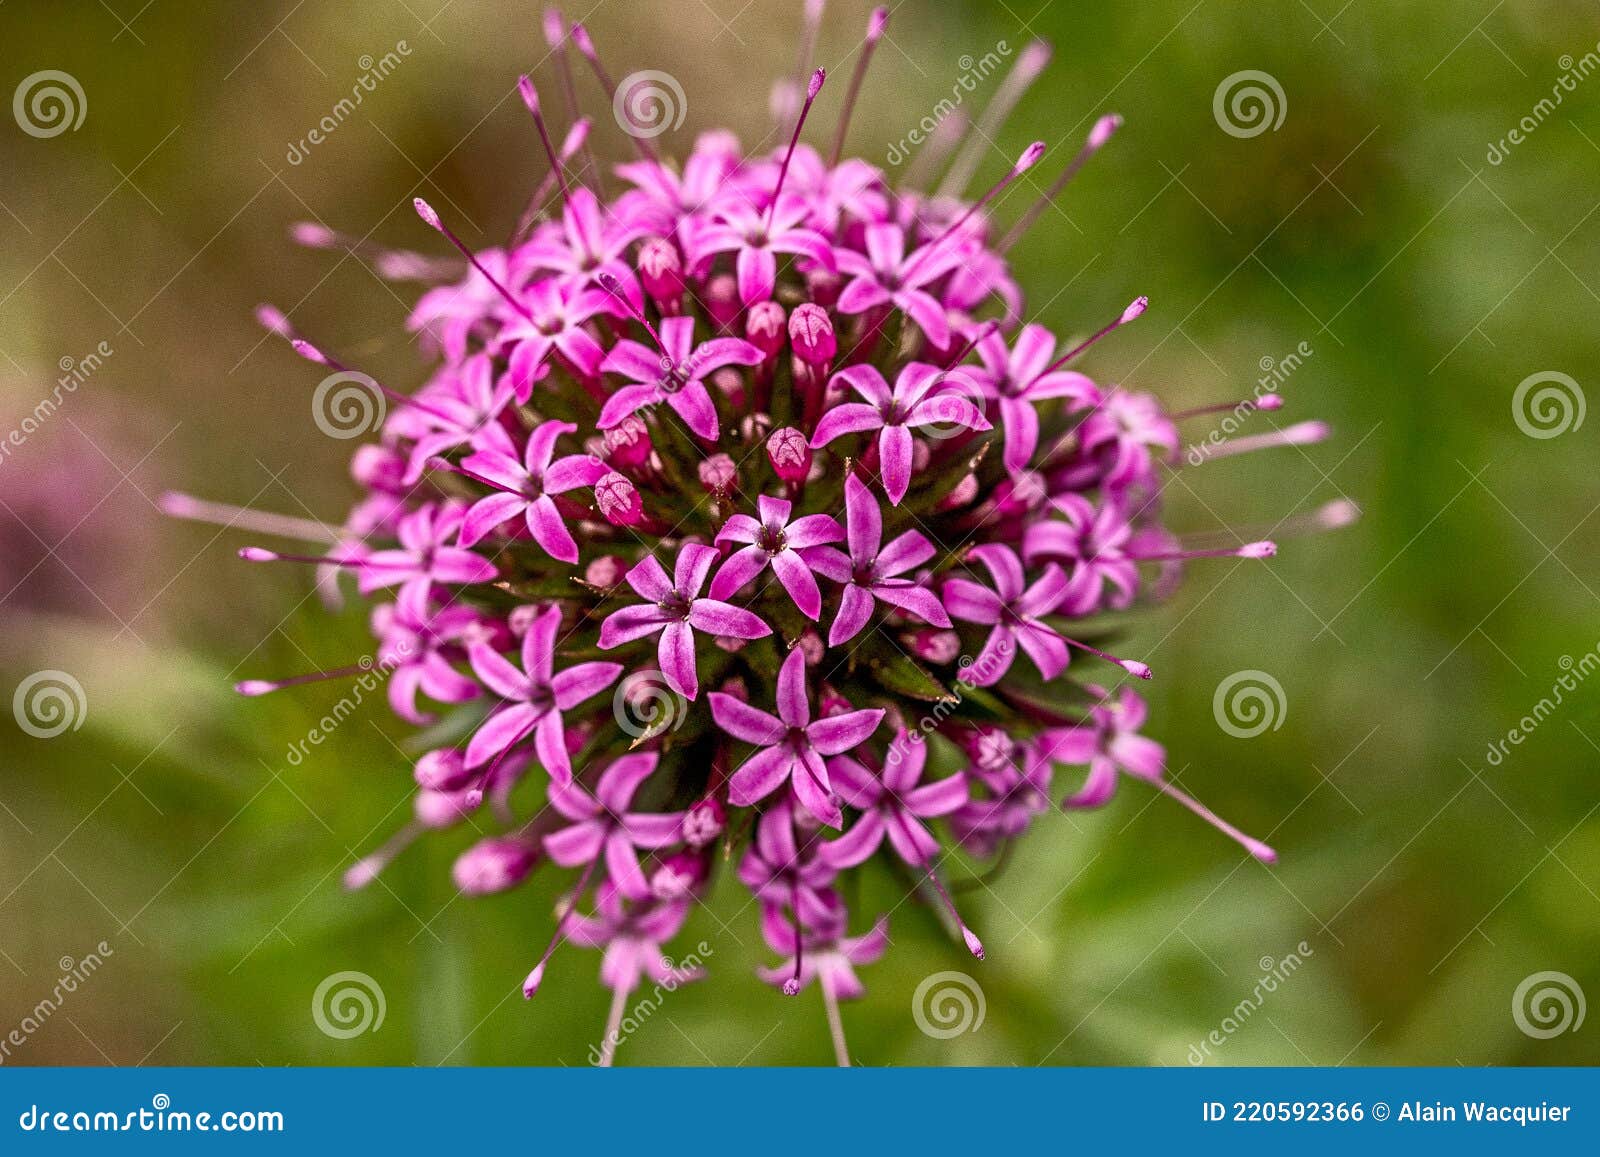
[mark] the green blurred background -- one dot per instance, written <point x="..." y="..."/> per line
<point x="1424" y="881"/>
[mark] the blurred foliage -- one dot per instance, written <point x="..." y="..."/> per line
<point x="1428" y="282"/>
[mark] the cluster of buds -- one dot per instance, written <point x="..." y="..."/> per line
<point x="771" y="437"/>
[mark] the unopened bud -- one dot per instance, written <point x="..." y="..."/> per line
<point x="764" y="327"/>
<point x="718" y="474"/>
<point x="619" y="500"/>
<point x="493" y="865"/>
<point x="627" y="444"/>
<point x="790" y="454"/>
<point x="811" y="334"/>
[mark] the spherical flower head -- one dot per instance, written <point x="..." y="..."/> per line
<point x="744" y="485"/>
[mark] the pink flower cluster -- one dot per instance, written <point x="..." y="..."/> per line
<point x="769" y="434"/>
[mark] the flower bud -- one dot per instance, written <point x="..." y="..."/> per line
<point x="619" y="500"/>
<point x="722" y="301"/>
<point x="811" y="334"/>
<point x="493" y="865"/>
<point x="704" y="822"/>
<point x="442" y="770"/>
<point x="679" y="875"/>
<point x="934" y="646"/>
<point x="718" y="474"/>
<point x="790" y="454"/>
<point x="661" y="272"/>
<point x="962" y="494"/>
<point x="764" y="327"/>
<point x="441" y="809"/>
<point x="379" y="468"/>
<point x="605" y="572"/>
<point x="627" y="444"/>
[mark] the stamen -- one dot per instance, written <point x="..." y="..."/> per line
<point x="577" y="138"/>
<point x="974" y="945"/>
<point x="614" y="287"/>
<point x="1135" y="309"/>
<point x="365" y="870"/>
<point x="1131" y="666"/>
<point x="791" y="987"/>
<point x="1263" y="549"/>
<point x="391" y="264"/>
<point x="530" y="986"/>
<point x="876" y="23"/>
<point x="1301" y="434"/>
<point x="259" y="554"/>
<point x="1029" y="158"/>
<point x="250" y="688"/>
<point x="814" y="87"/>
<point x="1098" y="136"/>
<point x="431" y="219"/>
<point x="585" y="46"/>
<point x="319" y="356"/>
<point x="1254" y="846"/>
<point x="530" y="97"/>
<point x="178" y="505"/>
<point x="1244" y="405"/>
<point x="1030" y="63"/>
<point x="945" y="136"/>
<point x="811" y="29"/>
